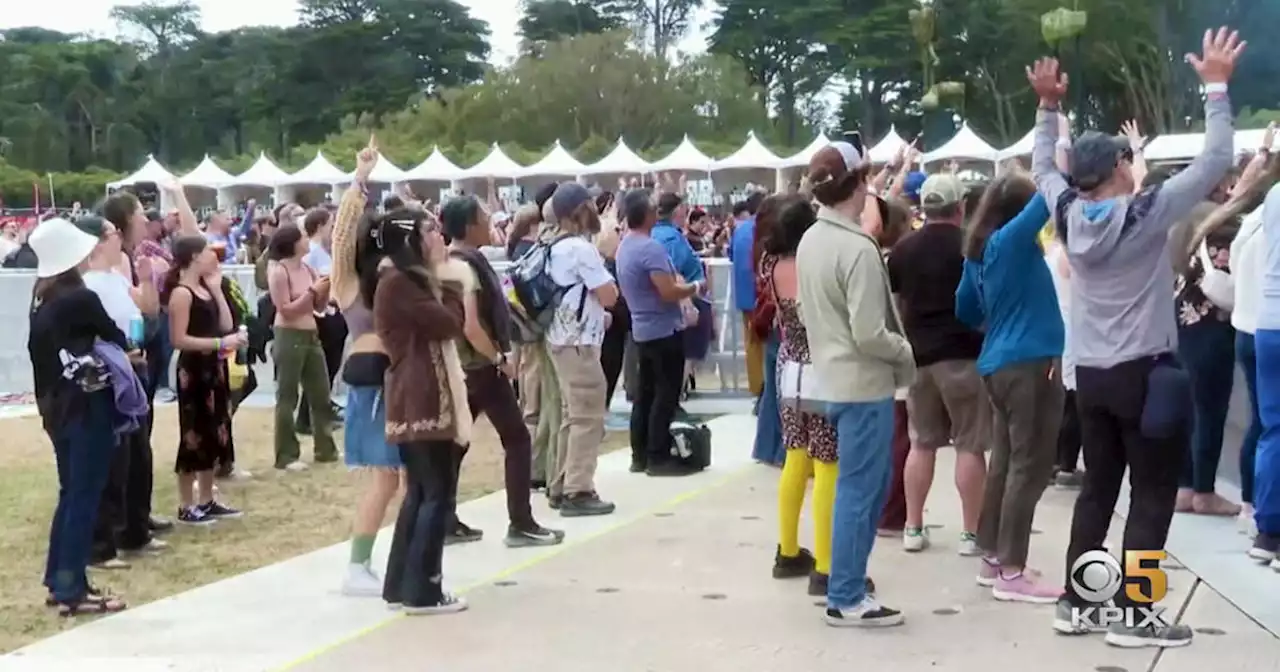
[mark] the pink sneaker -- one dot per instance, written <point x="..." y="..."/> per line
<point x="988" y="572"/>
<point x="1025" y="587"/>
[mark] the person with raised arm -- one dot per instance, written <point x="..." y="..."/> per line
<point x="1132" y="395"/>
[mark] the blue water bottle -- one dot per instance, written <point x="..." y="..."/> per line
<point x="137" y="331"/>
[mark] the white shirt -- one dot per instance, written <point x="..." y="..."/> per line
<point x="113" y="290"/>
<point x="1062" y="287"/>
<point x="575" y="263"/>
<point x="1248" y="257"/>
<point x="7" y="247"/>
<point x="318" y="258"/>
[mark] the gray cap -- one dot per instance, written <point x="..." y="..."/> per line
<point x="1094" y="157"/>
<point x="569" y="196"/>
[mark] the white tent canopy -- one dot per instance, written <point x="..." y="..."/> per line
<point x="802" y="157"/>
<point x="1187" y="146"/>
<point x="965" y="145"/>
<point x="319" y="171"/>
<point x="557" y="162"/>
<point x="496" y="164"/>
<point x="436" y="168"/>
<point x="887" y="149"/>
<point x="1022" y="147"/>
<point x="620" y="160"/>
<point x="684" y="157"/>
<point x="263" y="173"/>
<point x="208" y="175"/>
<point x="752" y="155"/>
<point x="151" y="172"/>
<point x="386" y="172"/>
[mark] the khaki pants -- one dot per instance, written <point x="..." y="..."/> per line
<point x="582" y="388"/>
<point x="540" y="407"/>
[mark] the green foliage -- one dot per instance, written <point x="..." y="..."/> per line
<point x="547" y="21"/>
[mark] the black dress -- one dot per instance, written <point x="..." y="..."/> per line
<point x="204" y="398"/>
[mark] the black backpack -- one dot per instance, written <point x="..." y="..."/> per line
<point x="536" y="295"/>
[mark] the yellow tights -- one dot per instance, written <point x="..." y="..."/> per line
<point x="791" y="486"/>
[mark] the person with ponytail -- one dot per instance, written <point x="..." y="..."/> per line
<point x="201" y="326"/>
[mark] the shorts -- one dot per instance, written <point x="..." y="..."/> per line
<point x="364" y="435"/>
<point x="948" y="405"/>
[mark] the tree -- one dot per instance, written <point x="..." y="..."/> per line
<point x="163" y="26"/>
<point x="546" y="21"/>
<point x="661" y="23"/>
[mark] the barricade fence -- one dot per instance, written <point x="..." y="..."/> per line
<point x="725" y="358"/>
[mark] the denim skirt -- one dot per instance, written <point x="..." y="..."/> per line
<point x="364" y="437"/>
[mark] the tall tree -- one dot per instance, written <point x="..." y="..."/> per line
<point x="547" y="21"/>
<point x="660" y="23"/>
<point x="162" y="26"/>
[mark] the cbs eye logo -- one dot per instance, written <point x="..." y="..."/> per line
<point x="1098" y="577"/>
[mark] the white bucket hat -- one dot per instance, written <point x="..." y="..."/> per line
<point x="59" y="246"/>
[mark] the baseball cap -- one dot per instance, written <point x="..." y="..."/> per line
<point x="544" y="193"/>
<point x="94" y="226"/>
<point x="911" y="185"/>
<point x="1094" y="157"/>
<point x="568" y="197"/>
<point x="941" y="190"/>
<point x="837" y="160"/>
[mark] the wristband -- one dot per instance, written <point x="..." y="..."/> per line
<point x="217" y="345"/>
<point x="1215" y="87"/>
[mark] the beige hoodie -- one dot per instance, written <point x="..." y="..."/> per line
<point x="855" y="335"/>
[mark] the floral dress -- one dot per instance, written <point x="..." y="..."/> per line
<point x="799" y="428"/>
<point x="1193" y="306"/>
<point x="204" y="396"/>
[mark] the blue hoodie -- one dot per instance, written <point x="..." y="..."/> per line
<point x="1121" y="278"/>
<point x="1011" y="291"/>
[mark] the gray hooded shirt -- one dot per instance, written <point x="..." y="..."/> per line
<point x="1122" y="305"/>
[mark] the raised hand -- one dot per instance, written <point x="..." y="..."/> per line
<point x="1219" y="53"/>
<point x="366" y="159"/>
<point x="1136" y="139"/>
<point x="1269" y="137"/>
<point x="1047" y="81"/>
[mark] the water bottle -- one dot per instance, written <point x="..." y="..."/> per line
<point x="137" y="332"/>
<point x="242" y="353"/>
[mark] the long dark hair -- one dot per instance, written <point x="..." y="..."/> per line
<point x="185" y="249"/>
<point x="795" y="215"/>
<point x="1002" y="200"/>
<point x="396" y="236"/>
<point x="48" y="289"/>
<point x="283" y="243"/>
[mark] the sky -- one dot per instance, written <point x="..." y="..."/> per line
<point x="91" y="16"/>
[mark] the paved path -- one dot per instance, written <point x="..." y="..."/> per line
<point x="677" y="580"/>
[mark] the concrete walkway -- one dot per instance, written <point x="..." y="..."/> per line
<point x="677" y="580"/>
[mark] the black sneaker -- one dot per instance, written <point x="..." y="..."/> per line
<point x="1266" y="547"/>
<point x="671" y="470"/>
<point x="555" y="501"/>
<point x="538" y="484"/>
<point x="159" y="525"/>
<point x="818" y="584"/>
<point x="792" y="567"/>
<point x="195" y="515"/>
<point x="867" y="614"/>
<point x="1068" y="621"/>
<point x="534" y="535"/>
<point x="462" y="534"/>
<point x="585" y="504"/>
<point x="1162" y="635"/>
<point x="639" y="466"/>
<point x="216" y="510"/>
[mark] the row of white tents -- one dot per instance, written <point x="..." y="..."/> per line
<point x="752" y="157"/>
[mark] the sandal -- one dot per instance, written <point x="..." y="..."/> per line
<point x="92" y="605"/>
<point x="51" y="602"/>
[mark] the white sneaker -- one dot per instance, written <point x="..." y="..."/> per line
<point x="297" y="466"/>
<point x="238" y="474"/>
<point x="915" y="539"/>
<point x="1245" y="522"/>
<point x="868" y="614"/>
<point x="361" y="581"/>
<point x="449" y="604"/>
<point x="153" y="546"/>
<point x="968" y="545"/>
<point x="1275" y="564"/>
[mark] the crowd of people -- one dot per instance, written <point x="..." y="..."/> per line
<point x="1086" y="305"/>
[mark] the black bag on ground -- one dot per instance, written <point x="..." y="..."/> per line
<point x="691" y="444"/>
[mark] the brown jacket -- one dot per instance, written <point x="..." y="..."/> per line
<point x="424" y="388"/>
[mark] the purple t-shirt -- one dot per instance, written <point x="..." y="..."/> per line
<point x="651" y="317"/>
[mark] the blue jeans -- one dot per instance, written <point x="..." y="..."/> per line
<point x="864" y="436"/>
<point x="768" y="446"/>
<point x="1206" y="350"/>
<point x="1247" y="357"/>
<point x="1266" y="468"/>
<point x="84" y="447"/>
